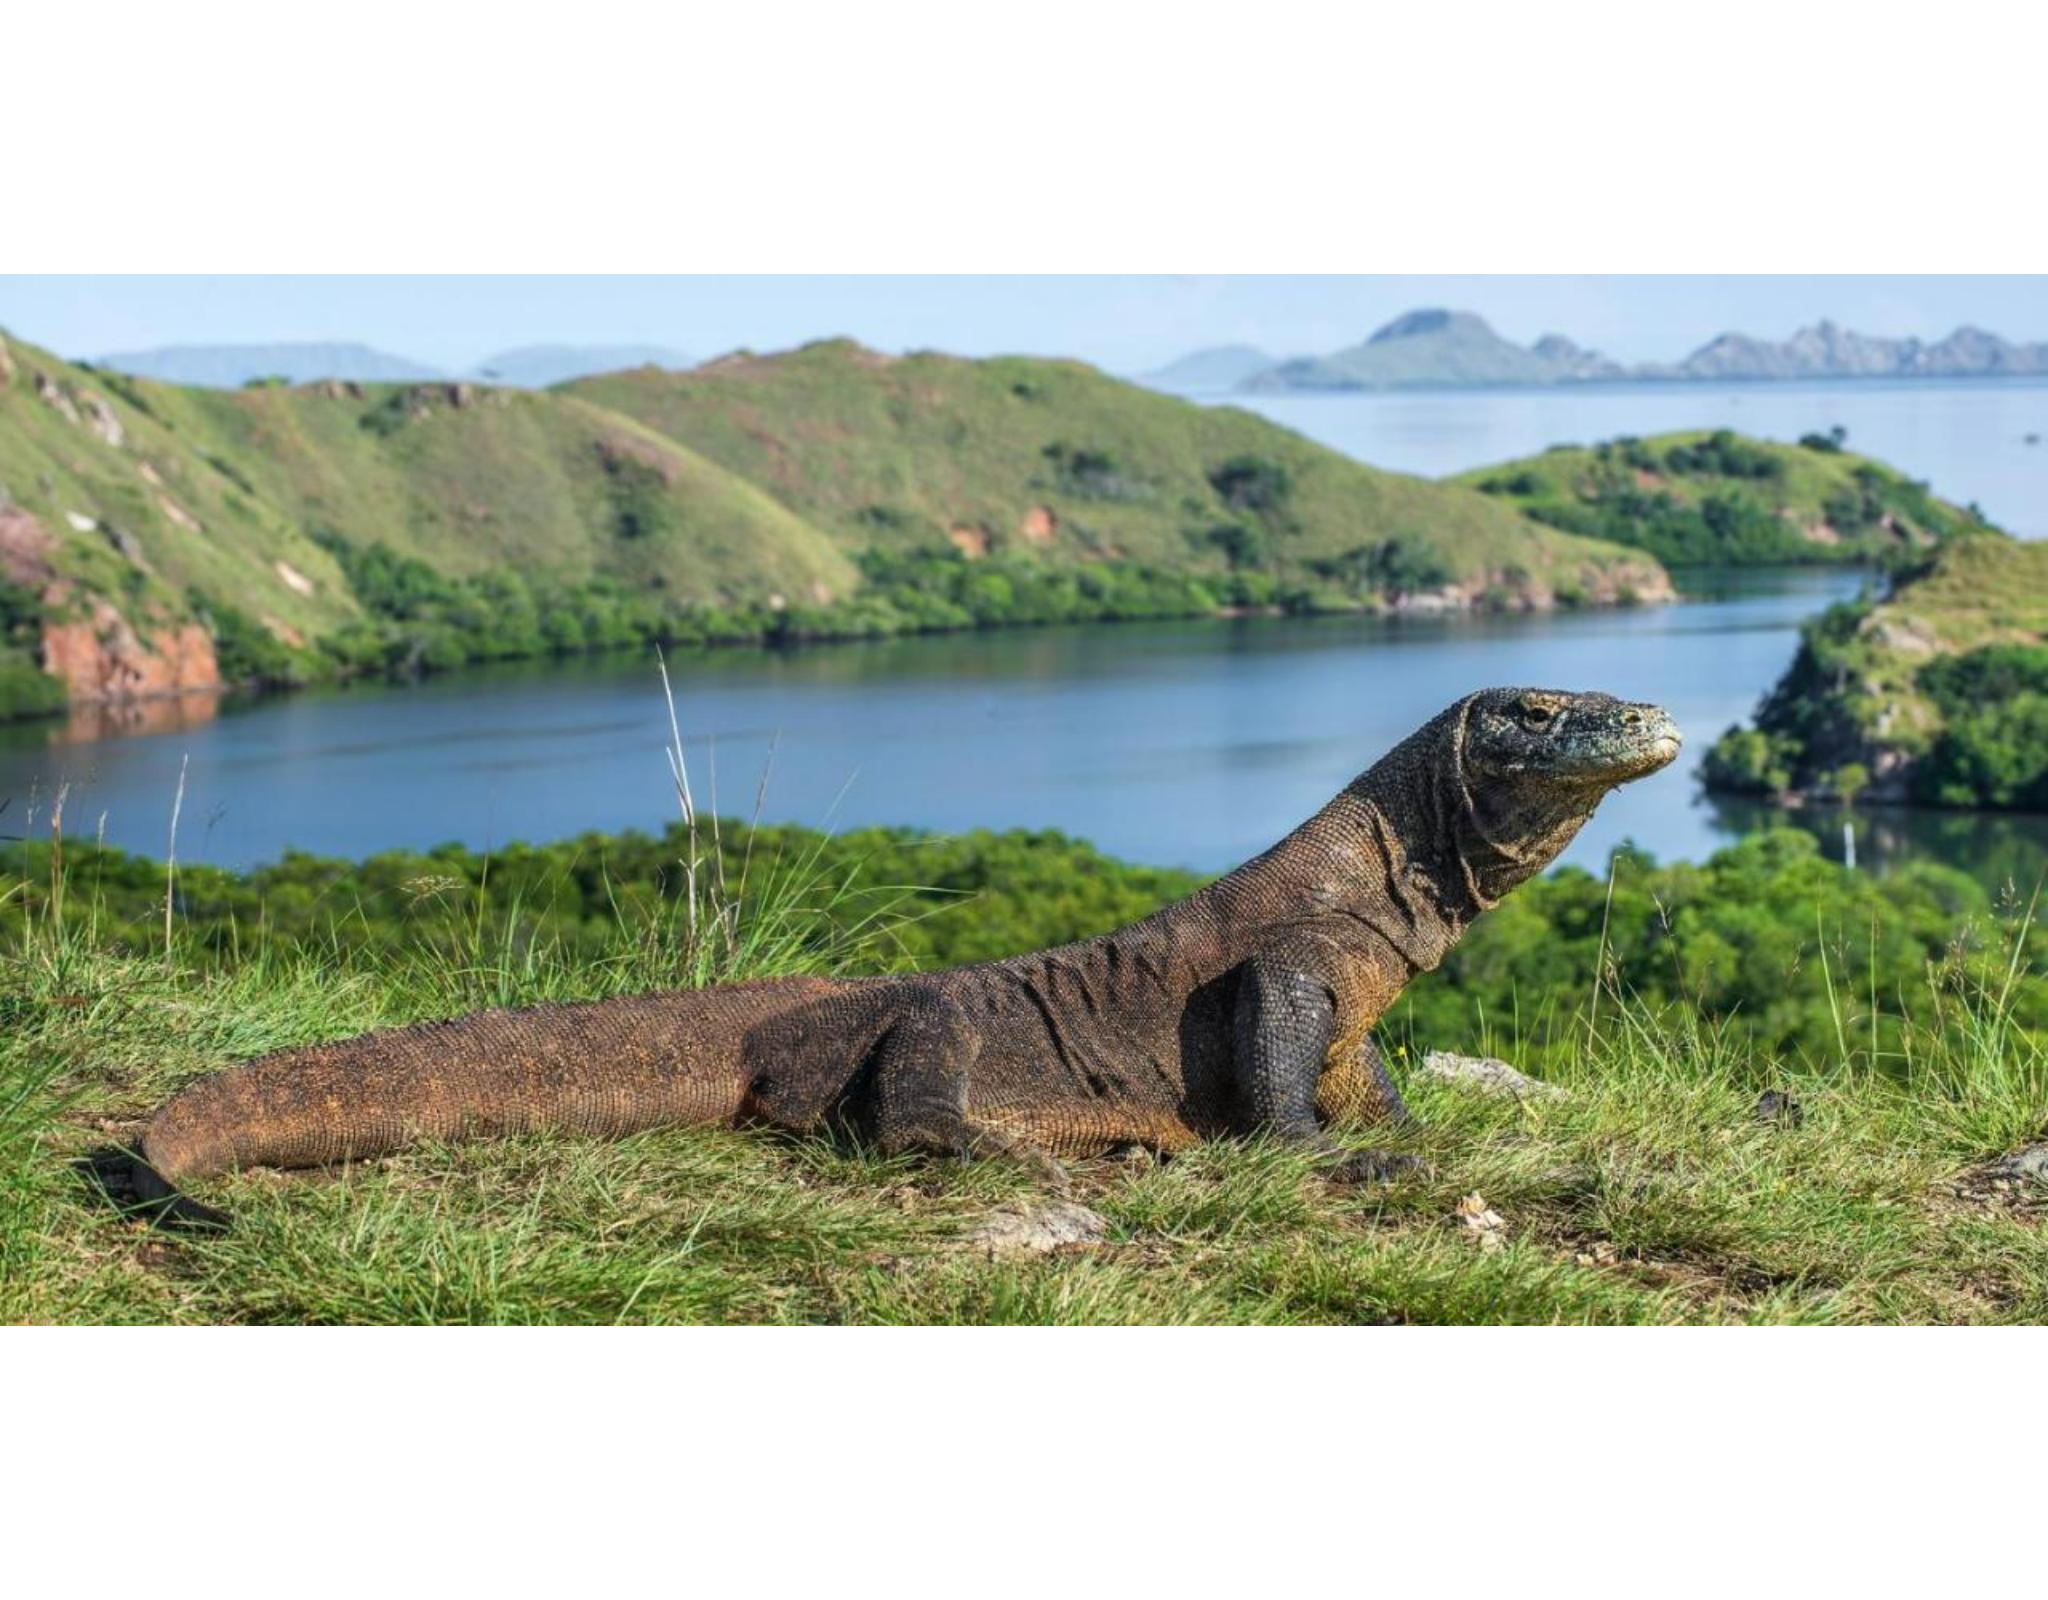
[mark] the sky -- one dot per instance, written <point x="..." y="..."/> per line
<point x="1124" y="324"/>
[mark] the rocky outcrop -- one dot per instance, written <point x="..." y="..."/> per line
<point x="1639" y="582"/>
<point x="1486" y="1075"/>
<point x="100" y="417"/>
<point x="1036" y="1228"/>
<point x="103" y="659"/>
<point x="52" y="395"/>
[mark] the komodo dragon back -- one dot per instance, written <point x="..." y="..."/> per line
<point x="1246" y="1006"/>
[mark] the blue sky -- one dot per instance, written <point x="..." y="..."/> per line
<point x="1122" y="323"/>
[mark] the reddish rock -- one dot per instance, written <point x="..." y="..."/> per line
<point x="104" y="659"/>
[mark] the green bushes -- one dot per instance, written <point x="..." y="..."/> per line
<point x="1091" y="474"/>
<point x="1723" y="454"/>
<point x="25" y="689"/>
<point x="1255" y="484"/>
<point x="1766" y="940"/>
<point x="1724" y="529"/>
<point x="420" y="620"/>
<point x="248" y="653"/>
<point x="1395" y="567"/>
<point x="641" y="506"/>
<point x="1993" y="748"/>
<point x="1750" y="761"/>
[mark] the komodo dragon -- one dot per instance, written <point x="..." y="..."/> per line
<point x="1244" y="1007"/>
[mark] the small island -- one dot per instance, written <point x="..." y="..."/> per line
<point x="1936" y="695"/>
<point x="1722" y="499"/>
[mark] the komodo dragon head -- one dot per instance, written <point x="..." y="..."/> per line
<point x="1488" y="794"/>
<point x="1534" y="763"/>
<point x="1549" y="740"/>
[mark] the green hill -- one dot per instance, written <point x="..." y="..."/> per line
<point x="1937" y="695"/>
<point x="154" y="538"/>
<point x="1053" y="458"/>
<point x="1720" y="498"/>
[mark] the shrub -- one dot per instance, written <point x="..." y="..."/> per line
<point x="1256" y="484"/>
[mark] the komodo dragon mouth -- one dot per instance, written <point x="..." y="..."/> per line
<point x="1247" y="1007"/>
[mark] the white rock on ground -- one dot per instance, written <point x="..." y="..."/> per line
<point x="1485" y="1074"/>
<point x="2032" y="1162"/>
<point x="1036" y="1228"/>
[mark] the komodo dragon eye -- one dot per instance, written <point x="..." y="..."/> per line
<point x="1538" y="715"/>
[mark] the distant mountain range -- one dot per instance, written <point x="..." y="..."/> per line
<point x="231" y="366"/>
<point x="1222" y="366"/>
<point x="539" y="366"/>
<point x="1438" y="349"/>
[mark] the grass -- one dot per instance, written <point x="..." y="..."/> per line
<point x="1648" y="1192"/>
<point x="886" y="450"/>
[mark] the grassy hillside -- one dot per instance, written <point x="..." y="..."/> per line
<point x="1054" y="458"/>
<point x="1937" y="695"/>
<point x="335" y="527"/>
<point x="1720" y="498"/>
<point x="1682" y="1169"/>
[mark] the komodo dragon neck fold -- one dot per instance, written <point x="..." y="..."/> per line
<point x="1247" y="1006"/>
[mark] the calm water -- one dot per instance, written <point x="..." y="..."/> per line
<point x="1968" y="439"/>
<point x="1191" y="743"/>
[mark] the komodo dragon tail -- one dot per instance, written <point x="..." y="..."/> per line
<point x="608" y="1068"/>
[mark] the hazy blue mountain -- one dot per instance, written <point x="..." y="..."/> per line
<point x="1826" y="350"/>
<point x="1437" y="349"/>
<point x="229" y="366"/>
<point x="1222" y="366"/>
<point x="537" y="366"/>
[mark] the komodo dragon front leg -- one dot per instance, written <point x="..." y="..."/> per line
<point x="921" y="1072"/>
<point x="1287" y="1018"/>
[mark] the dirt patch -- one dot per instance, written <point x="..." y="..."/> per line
<point x="1040" y="526"/>
<point x="25" y="546"/>
<point x="970" y="542"/>
<point x="178" y="514"/>
<point x="615" y="453"/>
<point x="2012" y="1186"/>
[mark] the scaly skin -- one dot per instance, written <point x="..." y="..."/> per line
<point x="1245" y="1007"/>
